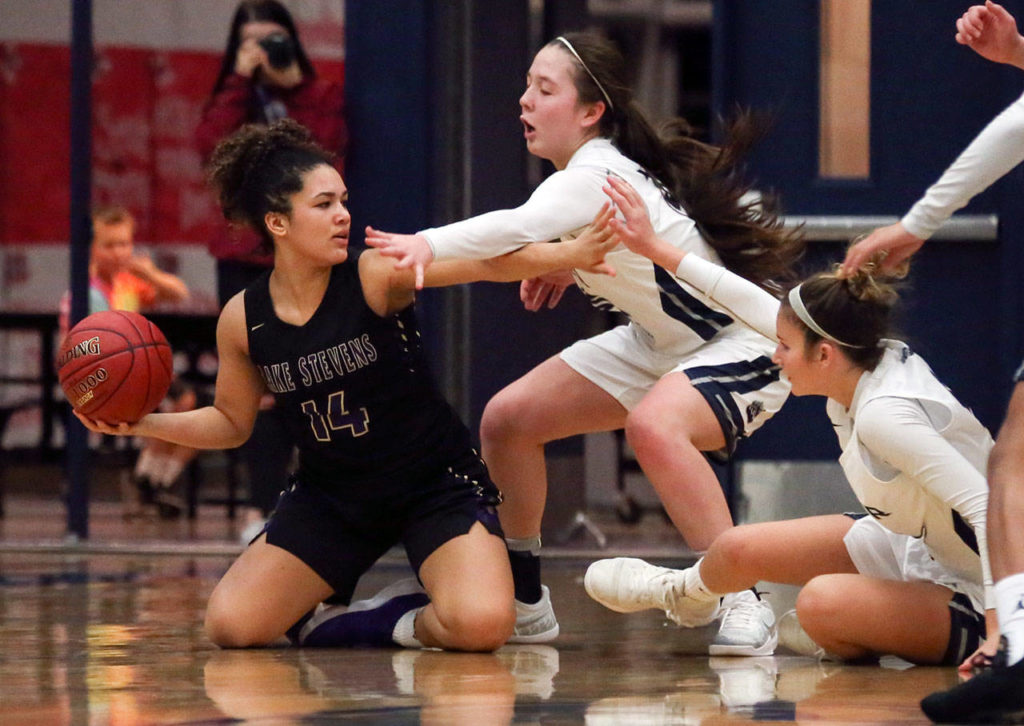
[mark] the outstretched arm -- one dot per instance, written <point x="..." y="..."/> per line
<point x="564" y="202"/>
<point x="994" y="152"/>
<point x="992" y="32"/>
<point x="388" y="289"/>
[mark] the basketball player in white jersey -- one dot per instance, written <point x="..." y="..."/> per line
<point x="682" y="378"/>
<point x="911" y="577"/>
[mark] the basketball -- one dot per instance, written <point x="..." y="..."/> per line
<point x="115" y="366"/>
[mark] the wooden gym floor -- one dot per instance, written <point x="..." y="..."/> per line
<point x="110" y="632"/>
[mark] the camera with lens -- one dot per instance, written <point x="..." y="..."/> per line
<point x="280" y="50"/>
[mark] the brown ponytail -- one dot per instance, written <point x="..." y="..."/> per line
<point x="706" y="180"/>
<point x="856" y="309"/>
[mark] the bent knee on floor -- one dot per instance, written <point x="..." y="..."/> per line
<point x="482" y="627"/>
<point x="228" y="629"/>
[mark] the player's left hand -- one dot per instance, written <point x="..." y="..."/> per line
<point x="889" y="247"/>
<point x="411" y="250"/>
<point x="991" y="32"/>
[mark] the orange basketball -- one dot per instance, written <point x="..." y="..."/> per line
<point x="115" y="366"/>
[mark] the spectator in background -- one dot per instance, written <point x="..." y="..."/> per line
<point x="265" y="76"/>
<point x="119" y="279"/>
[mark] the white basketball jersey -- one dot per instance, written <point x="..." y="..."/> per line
<point x="675" y="316"/>
<point x="920" y="504"/>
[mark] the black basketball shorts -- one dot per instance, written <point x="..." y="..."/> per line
<point x="341" y="538"/>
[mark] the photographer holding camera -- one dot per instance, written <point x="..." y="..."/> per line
<point x="265" y="75"/>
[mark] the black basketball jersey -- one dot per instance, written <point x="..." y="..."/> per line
<point x="355" y="388"/>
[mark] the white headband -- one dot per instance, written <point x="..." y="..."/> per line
<point x="597" y="83"/>
<point x="797" y="303"/>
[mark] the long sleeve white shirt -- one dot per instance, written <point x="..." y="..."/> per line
<point x="997" y="149"/>
<point x="563" y="205"/>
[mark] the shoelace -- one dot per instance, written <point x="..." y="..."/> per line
<point x="742" y="616"/>
<point x="675" y="592"/>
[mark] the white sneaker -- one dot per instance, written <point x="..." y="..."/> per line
<point x="747" y="628"/>
<point x="793" y="636"/>
<point x="628" y="584"/>
<point x="535" y="622"/>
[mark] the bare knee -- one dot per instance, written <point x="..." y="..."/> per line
<point x="481" y="626"/>
<point x="733" y="549"/>
<point x="502" y="419"/>
<point x="227" y="627"/>
<point x="647" y="432"/>
<point x="818" y="607"/>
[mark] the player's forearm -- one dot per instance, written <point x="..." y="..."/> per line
<point x="741" y="299"/>
<point x="530" y="261"/>
<point x="564" y="202"/>
<point x="204" y="428"/>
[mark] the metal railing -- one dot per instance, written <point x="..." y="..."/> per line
<point x="842" y="228"/>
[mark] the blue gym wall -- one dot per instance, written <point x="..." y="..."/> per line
<point x="929" y="97"/>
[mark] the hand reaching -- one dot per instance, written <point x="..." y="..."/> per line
<point x="596" y="241"/>
<point x="889" y="246"/>
<point x="547" y="288"/>
<point x="411" y="250"/>
<point x="991" y="32"/>
<point x="635" y="229"/>
<point x="589" y="249"/>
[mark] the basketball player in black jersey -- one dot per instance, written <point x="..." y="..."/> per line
<point x="383" y="458"/>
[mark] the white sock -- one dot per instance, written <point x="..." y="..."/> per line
<point x="524" y="544"/>
<point x="695" y="586"/>
<point x="1010" y="609"/>
<point x="404" y="633"/>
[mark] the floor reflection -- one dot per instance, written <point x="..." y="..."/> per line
<point x="119" y="640"/>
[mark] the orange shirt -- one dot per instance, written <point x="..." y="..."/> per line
<point x="126" y="292"/>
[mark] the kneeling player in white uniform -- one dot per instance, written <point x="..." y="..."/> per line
<point x="911" y="578"/>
